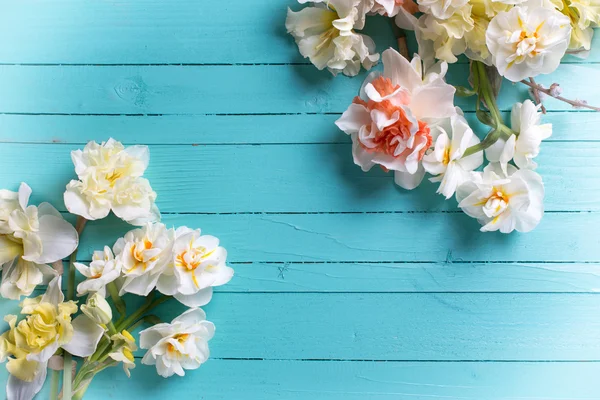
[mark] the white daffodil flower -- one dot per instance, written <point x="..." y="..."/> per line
<point x="110" y="178"/>
<point x="11" y="201"/>
<point x="103" y="270"/>
<point x="29" y="344"/>
<point x="388" y="122"/>
<point x="123" y="348"/>
<point x="143" y="254"/>
<point x="525" y="120"/>
<point x="325" y="35"/>
<point x="180" y="345"/>
<point x="30" y="237"/>
<point x="20" y="277"/>
<point x="528" y="40"/>
<point x="453" y="137"/>
<point x="503" y="202"/>
<point x="198" y="264"/>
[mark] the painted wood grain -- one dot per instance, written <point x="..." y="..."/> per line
<point x="231" y="89"/>
<point x="561" y="237"/>
<point x="449" y="276"/>
<point x="231" y="129"/>
<point x="334" y="380"/>
<point x="298" y="178"/>
<point x="398" y="326"/>
<point x="150" y="32"/>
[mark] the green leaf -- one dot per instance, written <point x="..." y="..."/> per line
<point x="485" y="118"/>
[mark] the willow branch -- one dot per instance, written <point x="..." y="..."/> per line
<point x="536" y="95"/>
<point x="574" y="103"/>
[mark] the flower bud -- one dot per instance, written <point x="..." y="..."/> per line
<point x="97" y="309"/>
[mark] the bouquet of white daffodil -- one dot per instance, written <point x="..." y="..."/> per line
<point x="404" y="119"/>
<point x="152" y="261"/>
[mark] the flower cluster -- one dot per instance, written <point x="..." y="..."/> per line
<point x="326" y="31"/>
<point x="176" y="262"/>
<point x="405" y="119"/>
<point x="152" y="261"/>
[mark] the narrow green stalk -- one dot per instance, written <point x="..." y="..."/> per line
<point x="71" y="276"/>
<point x="111" y="328"/>
<point x="485" y="91"/>
<point x="147" y="306"/>
<point x="68" y="359"/>
<point x="482" y="85"/>
<point x="54" y="383"/>
<point x="67" y="376"/>
<point x="117" y="300"/>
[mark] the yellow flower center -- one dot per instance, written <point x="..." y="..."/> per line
<point x="181" y="338"/>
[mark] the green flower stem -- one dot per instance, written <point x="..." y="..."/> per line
<point x="486" y="92"/>
<point x="67" y="376"/>
<point x="54" y="385"/>
<point x="147" y="306"/>
<point x="104" y="344"/>
<point x="111" y="328"/>
<point x="117" y="300"/>
<point x="68" y="358"/>
<point x="482" y="85"/>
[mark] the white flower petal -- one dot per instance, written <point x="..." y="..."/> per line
<point x="200" y="298"/>
<point x="17" y="389"/>
<point x="407" y="180"/>
<point x="58" y="237"/>
<point x="54" y="294"/>
<point x="86" y="335"/>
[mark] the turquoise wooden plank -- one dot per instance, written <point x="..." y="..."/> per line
<point x="405" y="237"/>
<point x="151" y="32"/>
<point x="155" y="31"/>
<point x="292" y="178"/>
<point x="414" y="277"/>
<point x="232" y="89"/>
<point x="228" y="129"/>
<point x="333" y="380"/>
<point x="450" y="276"/>
<point x="399" y="326"/>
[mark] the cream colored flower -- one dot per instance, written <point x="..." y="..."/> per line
<point x="457" y="27"/>
<point x="47" y="326"/>
<point x="103" y="270"/>
<point x="180" y="345"/>
<point x="123" y="348"/>
<point x="528" y="41"/>
<point x="447" y="35"/>
<point x="143" y="254"/>
<point x="325" y="35"/>
<point x="503" y="201"/>
<point x="198" y="264"/>
<point x="110" y="178"/>
<point x="441" y="9"/>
